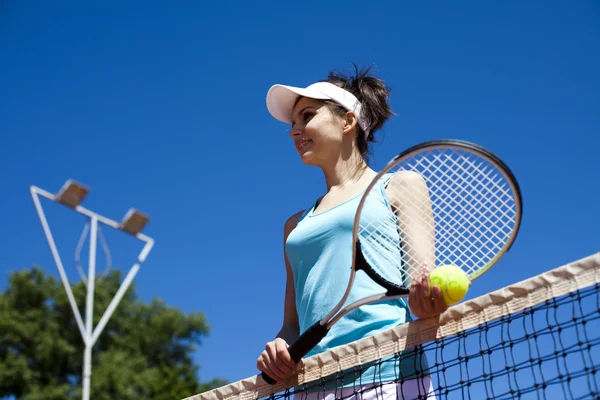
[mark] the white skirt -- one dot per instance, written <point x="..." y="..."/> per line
<point x="414" y="389"/>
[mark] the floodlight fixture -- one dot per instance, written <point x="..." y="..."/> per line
<point x="72" y="194"/>
<point x="134" y="221"/>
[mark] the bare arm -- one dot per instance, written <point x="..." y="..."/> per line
<point x="409" y="196"/>
<point x="275" y="360"/>
<point x="290" y="329"/>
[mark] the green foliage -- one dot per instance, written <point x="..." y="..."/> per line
<point x="143" y="353"/>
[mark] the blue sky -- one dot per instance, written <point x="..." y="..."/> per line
<point x="162" y="107"/>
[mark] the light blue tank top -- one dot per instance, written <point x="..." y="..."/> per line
<point x="319" y="250"/>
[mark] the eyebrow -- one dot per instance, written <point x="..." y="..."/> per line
<point x="302" y="110"/>
<point x="300" y="113"/>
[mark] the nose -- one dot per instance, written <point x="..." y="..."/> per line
<point x="295" y="131"/>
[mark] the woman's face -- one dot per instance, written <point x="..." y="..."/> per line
<point x="316" y="131"/>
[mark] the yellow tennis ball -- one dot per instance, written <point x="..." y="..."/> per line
<point x="453" y="282"/>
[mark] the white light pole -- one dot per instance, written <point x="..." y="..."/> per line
<point x="71" y="195"/>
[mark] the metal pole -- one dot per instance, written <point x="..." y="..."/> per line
<point x="89" y="312"/>
<point x="58" y="261"/>
<point x="120" y="293"/>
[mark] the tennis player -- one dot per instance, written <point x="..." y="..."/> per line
<point x="332" y="124"/>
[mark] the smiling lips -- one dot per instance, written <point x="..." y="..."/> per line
<point x="301" y="144"/>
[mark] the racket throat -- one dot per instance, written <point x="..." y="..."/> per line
<point x="361" y="264"/>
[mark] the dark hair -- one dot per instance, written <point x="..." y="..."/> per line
<point x="373" y="95"/>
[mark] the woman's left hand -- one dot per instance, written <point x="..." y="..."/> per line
<point x="425" y="301"/>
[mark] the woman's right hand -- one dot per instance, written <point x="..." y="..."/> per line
<point x="276" y="362"/>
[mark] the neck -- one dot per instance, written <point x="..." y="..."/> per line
<point x="345" y="171"/>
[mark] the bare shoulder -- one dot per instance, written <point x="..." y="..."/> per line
<point x="291" y="222"/>
<point x="406" y="183"/>
<point x="406" y="178"/>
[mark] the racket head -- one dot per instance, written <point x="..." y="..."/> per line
<point x="448" y="202"/>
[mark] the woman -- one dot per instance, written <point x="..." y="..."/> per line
<point x="332" y="123"/>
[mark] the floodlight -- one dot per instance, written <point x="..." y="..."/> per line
<point x="72" y="193"/>
<point x="134" y="221"/>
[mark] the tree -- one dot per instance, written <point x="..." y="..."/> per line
<point x="144" y="351"/>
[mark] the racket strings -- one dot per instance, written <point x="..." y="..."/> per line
<point x="472" y="206"/>
<point x="466" y="215"/>
<point x="471" y="202"/>
<point x="382" y="244"/>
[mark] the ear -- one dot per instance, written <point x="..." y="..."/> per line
<point x="350" y="122"/>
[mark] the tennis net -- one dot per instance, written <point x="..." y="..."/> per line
<point x="536" y="339"/>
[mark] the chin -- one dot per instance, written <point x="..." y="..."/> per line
<point x="309" y="158"/>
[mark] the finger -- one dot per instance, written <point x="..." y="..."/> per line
<point x="260" y="364"/>
<point x="425" y="289"/>
<point x="284" y="360"/>
<point x="284" y="353"/>
<point x="412" y="294"/>
<point x="276" y="371"/>
<point x="272" y="374"/>
<point x="263" y="365"/>
<point x="439" y="304"/>
<point x="426" y="295"/>
<point x="415" y="299"/>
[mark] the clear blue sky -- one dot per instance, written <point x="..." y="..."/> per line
<point x="162" y="107"/>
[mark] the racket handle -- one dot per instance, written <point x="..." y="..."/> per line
<point x="307" y="341"/>
<point x="303" y="345"/>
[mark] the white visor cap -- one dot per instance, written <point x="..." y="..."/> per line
<point x="281" y="99"/>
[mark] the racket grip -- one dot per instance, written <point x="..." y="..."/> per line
<point x="303" y="345"/>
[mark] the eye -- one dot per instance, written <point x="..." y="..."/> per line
<point x="307" y="115"/>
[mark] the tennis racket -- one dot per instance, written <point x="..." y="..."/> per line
<point x="437" y="203"/>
